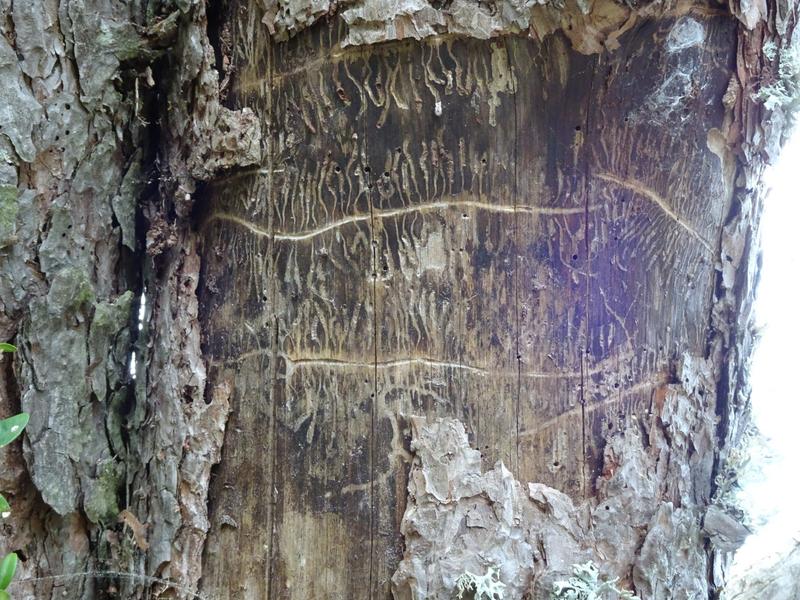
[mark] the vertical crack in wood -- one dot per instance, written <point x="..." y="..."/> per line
<point x="273" y="375"/>
<point x="516" y="266"/>
<point x="459" y="400"/>
<point x="373" y="508"/>
<point x="274" y="438"/>
<point x="583" y="172"/>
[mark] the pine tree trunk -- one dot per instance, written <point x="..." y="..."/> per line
<point x="536" y="224"/>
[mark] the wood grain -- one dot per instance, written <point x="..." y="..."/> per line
<point x="507" y="232"/>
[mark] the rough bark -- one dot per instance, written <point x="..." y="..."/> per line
<point x="71" y="174"/>
<point x="538" y="220"/>
<point x="87" y="167"/>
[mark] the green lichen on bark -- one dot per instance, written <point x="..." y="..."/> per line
<point x="101" y="494"/>
<point x="74" y="354"/>
<point x="8" y="214"/>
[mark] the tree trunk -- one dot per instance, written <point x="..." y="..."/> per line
<point x="371" y="236"/>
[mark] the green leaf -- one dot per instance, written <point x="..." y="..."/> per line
<point x="5" y="507"/>
<point x="6" y="347"/>
<point x="7" y="568"/>
<point x="11" y="427"/>
<point x="4" y="595"/>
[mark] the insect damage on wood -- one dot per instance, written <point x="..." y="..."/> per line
<point x="485" y="214"/>
<point x="415" y="244"/>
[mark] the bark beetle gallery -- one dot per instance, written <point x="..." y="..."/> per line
<point x="430" y="288"/>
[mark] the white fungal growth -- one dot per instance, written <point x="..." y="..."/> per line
<point x="784" y="91"/>
<point x="437" y="108"/>
<point x="585" y="584"/>
<point x="686" y="33"/>
<point x="482" y="587"/>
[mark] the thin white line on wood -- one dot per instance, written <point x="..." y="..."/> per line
<point x="428" y="362"/>
<point x="394" y="212"/>
<point x="400" y="362"/>
<point x="577" y="410"/>
<point x="388" y="364"/>
<point x="639" y="188"/>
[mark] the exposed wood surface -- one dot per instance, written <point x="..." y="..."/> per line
<point x="531" y="261"/>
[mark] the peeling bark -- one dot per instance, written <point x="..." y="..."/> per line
<point x="460" y="520"/>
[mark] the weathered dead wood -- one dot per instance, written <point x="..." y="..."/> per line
<point x="524" y="234"/>
<point x="539" y="220"/>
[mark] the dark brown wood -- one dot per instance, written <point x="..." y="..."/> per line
<point x="507" y="232"/>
